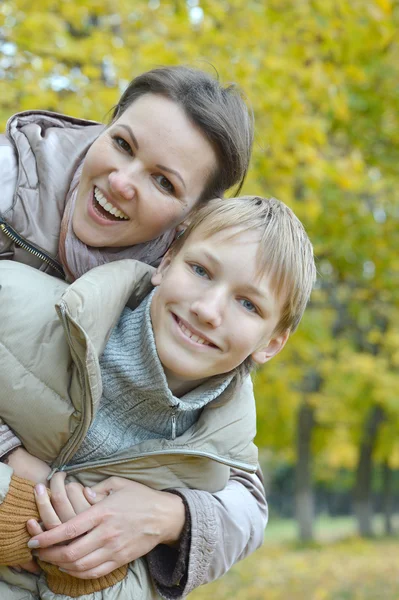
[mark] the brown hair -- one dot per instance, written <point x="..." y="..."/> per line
<point x="219" y="112"/>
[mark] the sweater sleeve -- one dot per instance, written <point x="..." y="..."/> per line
<point x="223" y="528"/>
<point x="17" y="506"/>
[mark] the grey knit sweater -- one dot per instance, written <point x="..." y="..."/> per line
<point x="137" y="404"/>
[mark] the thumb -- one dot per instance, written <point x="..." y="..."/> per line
<point x="92" y="496"/>
<point x="110" y="485"/>
<point x="33" y="527"/>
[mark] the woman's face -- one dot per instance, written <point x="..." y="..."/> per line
<point x="142" y="176"/>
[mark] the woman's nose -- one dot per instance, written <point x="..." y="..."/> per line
<point x="121" y="183"/>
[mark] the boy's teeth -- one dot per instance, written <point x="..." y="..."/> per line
<point x="99" y="196"/>
<point x="192" y="335"/>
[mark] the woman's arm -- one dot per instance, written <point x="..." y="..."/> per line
<point x="224" y="528"/>
<point x="8" y="174"/>
<point x="218" y="530"/>
<point x="8" y="440"/>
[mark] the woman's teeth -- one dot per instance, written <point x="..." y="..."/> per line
<point x="101" y="199"/>
<point x="196" y="338"/>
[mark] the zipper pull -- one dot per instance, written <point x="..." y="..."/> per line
<point x="53" y="471"/>
<point x="173" y="426"/>
<point x="50" y="475"/>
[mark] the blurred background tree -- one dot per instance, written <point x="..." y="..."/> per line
<point x="322" y="78"/>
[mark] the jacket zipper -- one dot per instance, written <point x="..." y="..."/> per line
<point x="74" y="442"/>
<point x="198" y="453"/>
<point x="174" y="422"/>
<point x="20" y="241"/>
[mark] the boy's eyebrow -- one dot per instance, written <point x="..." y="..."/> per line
<point x="212" y="258"/>
<point x="250" y="288"/>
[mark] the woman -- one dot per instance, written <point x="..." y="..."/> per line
<point x="75" y="195"/>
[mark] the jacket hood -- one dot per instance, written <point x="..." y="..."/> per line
<point x="48" y="148"/>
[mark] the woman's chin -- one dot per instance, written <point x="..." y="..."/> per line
<point x="87" y="236"/>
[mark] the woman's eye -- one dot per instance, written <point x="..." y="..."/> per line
<point x="123" y="144"/>
<point x="247" y="304"/>
<point x="164" y="183"/>
<point x="198" y="270"/>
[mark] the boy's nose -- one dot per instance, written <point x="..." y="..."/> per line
<point x="209" y="308"/>
<point x="121" y="184"/>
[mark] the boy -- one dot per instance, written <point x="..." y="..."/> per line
<point x="165" y="404"/>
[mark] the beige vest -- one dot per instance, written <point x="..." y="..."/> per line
<point x="51" y="336"/>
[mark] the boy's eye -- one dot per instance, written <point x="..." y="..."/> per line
<point x="123" y="144"/>
<point x="247" y="304"/>
<point x="198" y="270"/>
<point x="164" y="183"/>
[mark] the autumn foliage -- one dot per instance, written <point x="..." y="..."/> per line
<point x="322" y="78"/>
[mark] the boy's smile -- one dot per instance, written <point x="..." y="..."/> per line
<point x="213" y="309"/>
<point x="193" y="335"/>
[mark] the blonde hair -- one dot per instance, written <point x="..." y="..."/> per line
<point x="285" y="251"/>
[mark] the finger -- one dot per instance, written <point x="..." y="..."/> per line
<point x="69" y="554"/>
<point x="90" y="562"/>
<point x="67" y="531"/>
<point x="31" y="566"/>
<point x="47" y="513"/>
<point x="33" y="527"/>
<point x="92" y="496"/>
<point x="59" y="498"/>
<point x="77" y="497"/>
<point x="112" y="484"/>
<point x="104" y="569"/>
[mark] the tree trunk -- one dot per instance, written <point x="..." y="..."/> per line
<point x="304" y="501"/>
<point x="362" y="490"/>
<point x="387" y="499"/>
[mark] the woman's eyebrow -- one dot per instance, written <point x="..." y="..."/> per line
<point x="129" y="130"/>
<point x="174" y="173"/>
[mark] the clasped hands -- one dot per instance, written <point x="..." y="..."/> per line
<point x="92" y="531"/>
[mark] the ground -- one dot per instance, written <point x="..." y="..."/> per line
<point x="339" y="566"/>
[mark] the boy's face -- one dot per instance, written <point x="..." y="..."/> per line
<point x="213" y="309"/>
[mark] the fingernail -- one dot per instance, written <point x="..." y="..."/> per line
<point x="91" y="492"/>
<point x="40" y="489"/>
<point x="35" y="553"/>
<point x="63" y="570"/>
<point x="32" y="522"/>
<point x="33" y="544"/>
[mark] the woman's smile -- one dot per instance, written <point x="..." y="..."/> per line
<point x="104" y="205"/>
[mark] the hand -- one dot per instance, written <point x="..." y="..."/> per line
<point x="31" y="567"/>
<point x="27" y="466"/>
<point x="66" y="501"/>
<point x="121" y="527"/>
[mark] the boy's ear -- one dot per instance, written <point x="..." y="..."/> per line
<point x="275" y="345"/>
<point x="161" y="269"/>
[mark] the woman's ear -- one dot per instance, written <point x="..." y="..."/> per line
<point x="161" y="269"/>
<point x="264" y="354"/>
<point x="181" y="228"/>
